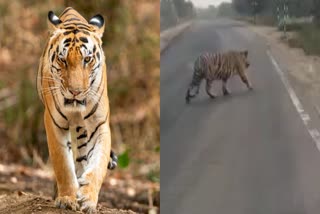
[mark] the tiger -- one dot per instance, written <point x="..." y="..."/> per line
<point x="72" y="85"/>
<point x="218" y="66"/>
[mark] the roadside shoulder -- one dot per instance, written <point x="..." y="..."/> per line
<point x="299" y="68"/>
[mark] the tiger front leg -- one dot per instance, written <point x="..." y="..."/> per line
<point x="62" y="162"/>
<point x="208" y="88"/>
<point x="224" y="88"/>
<point x="95" y="167"/>
<point x="245" y="80"/>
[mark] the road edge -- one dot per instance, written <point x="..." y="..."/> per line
<point x="169" y="35"/>
<point x="302" y="106"/>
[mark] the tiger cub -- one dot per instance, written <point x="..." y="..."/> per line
<point x="72" y="85"/>
<point x="218" y="66"/>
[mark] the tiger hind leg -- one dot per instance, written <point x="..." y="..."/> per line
<point x="208" y="87"/>
<point x="224" y="88"/>
<point x="189" y="95"/>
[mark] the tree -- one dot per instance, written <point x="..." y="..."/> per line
<point x="316" y="11"/>
<point x="241" y="6"/>
<point x="226" y="9"/>
<point x="168" y="14"/>
<point x="184" y="9"/>
<point x="250" y="6"/>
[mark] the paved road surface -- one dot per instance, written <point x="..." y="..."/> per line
<point x="248" y="153"/>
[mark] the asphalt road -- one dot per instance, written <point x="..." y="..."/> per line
<point x="248" y="153"/>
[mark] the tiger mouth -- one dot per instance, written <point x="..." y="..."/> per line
<point x="74" y="102"/>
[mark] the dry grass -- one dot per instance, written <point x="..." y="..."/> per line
<point x="131" y="44"/>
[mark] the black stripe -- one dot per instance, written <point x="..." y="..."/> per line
<point x="72" y="19"/>
<point x="54" y="122"/>
<point x="83" y="39"/>
<point x="67" y="40"/>
<point x="81" y="158"/>
<point x="82" y="25"/>
<point x="76" y="24"/>
<point x="67" y="33"/>
<point x="83" y="46"/>
<point x="58" y="69"/>
<point x="78" y="128"/>
<point x="92" y="134"/>
<point x="64" y="12"/>
<point x="98" y="55"/>
<point x="51" y="46"/>
<point x="69" y="15"/>
<point x="85" y="144"/>
<point x="94" y="48"/>
<point x="76" y="31"/>
<point x="53" y="56"/>
<point x="100" y="124"/>
<point x="69" y="145"/>
<point x="92" y="81"/>
<point x="90" y="151"/>
<point x="95" y="107"/>
<point x="55" y="104"/>
<point x="85" y="32"/>
<point x="83" y="28"/>
<point x="84" y="135"/>
<point x="96" y="67"/>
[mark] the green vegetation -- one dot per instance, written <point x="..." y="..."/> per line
<point x="123" y="159"/>
<point x="307" y="37"/>
<point x="302" y="18"/>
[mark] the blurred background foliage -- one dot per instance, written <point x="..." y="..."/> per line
<point x="175" y="11"/>
<point x="131" y="45"/>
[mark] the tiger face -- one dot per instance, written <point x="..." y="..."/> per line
<point x="76" y="61"/>
<point x="244" y="58"/>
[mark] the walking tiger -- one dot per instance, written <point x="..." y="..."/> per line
<point x="72" y="85"/>
<point x="218" y="66"/>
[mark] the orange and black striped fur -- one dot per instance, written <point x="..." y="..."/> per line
<point x="72" y="84"/>
<point x="218" y="66"/>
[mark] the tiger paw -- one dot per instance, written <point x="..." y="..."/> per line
<point x="87" y="200"/>
<point x="212" y="96"/>
<point x="225" y="92"/>
<point x="113" y="162"/>
<point x="67" y="202"/>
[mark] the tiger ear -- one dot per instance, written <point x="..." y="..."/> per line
<point x="53" y="21"/>
<point x="245" y="53"/>
<point x="98" y="23"/>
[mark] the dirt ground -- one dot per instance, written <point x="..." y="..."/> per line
<point x="29" y="190"/>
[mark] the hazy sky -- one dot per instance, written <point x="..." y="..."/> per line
<point x="205" y="3"/>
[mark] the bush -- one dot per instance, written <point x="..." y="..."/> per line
<point x="307" y="38"/>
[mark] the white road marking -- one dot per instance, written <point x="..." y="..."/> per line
<point x="305" y="117"/>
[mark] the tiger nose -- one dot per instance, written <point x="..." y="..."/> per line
<point x="75" y="92"/>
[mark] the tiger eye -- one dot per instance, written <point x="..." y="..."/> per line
<point x="87" y="59"/>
